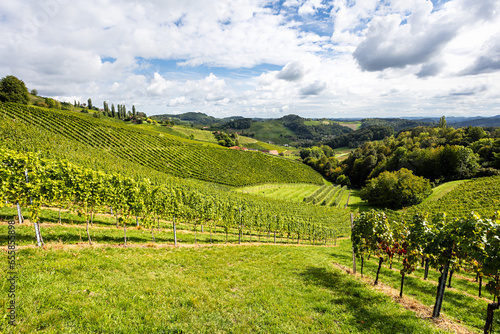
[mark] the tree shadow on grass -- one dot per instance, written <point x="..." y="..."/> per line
<point x="371" y="309"/>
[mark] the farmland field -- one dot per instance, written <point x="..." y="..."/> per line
<point x="351" y="125"/>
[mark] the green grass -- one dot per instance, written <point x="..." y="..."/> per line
<point x="356" y="203"/>
<point x="290" y="192"/>
<point x="342" y="153"/>
<point x="273" y="131"/>
<point x="255" y="289"/>
<point x="197" y="134"/>
<point x="320" y="122"/>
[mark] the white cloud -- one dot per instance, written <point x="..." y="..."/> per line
<point x="292" y="71"/>
<point x="243" y="57"/>
<point x="159" y="85"/>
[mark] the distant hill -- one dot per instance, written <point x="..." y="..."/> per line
<point x="192" y="117"/>
<point x="479" y="121"/>
<point x="398" y="124"/>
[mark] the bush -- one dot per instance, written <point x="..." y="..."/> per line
<point x="396" y="189"/>
<point x="13" y="90"/>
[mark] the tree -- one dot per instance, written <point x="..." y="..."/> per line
<point x="396" y="189"/>
<point x="89" y="103"/>
<point x="442" y="122"/>
<point x="133" y="111"/>
<point x="106" y="109"/>
<point x="13" y="90"/>
<point x="34" y="92"/>
<point x="112" y="110"/>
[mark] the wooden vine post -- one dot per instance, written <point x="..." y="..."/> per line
<point x="353" y="252"/>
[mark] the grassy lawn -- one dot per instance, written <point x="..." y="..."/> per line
<point x="291" y="192"/>
<point x="356" y="203"/>
<point x="252" y="289"/>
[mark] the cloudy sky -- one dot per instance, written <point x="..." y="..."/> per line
<point x="260" y="58"/>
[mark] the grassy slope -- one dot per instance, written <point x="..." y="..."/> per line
<point x="297" y="193"/>
<point x="255" y="289"/>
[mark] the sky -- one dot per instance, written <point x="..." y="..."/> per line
<point x="260" y="58"/>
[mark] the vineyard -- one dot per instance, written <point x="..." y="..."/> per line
<point x="156" y="150"/>
<point x="333" y="195"/>
<point x="30" y="181"/>
<point x="123" y="185"/>
<point x="469" y="244"/>
<point x="326" y="195"/>
<point x="481" y="196"/>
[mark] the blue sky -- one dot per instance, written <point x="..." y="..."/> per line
<point x="261" y="58"/>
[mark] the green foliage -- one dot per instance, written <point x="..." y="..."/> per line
<point x="371" y="234"/>
<point x="13" y="90"/>
<point x="239" y="123"/>
<point x="303" y="132"/>
<point x="322" y="159"/>
<point x="438" y="154"/>
<point x="51" y="103"/>
<point x="224" y="139"/>
<point x="396" y="189"/>
<point x="358" y="137"/>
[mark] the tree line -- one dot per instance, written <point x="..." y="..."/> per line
<point x="438" y="154"/>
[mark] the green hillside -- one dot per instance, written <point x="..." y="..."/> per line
<point x="159" y="151"/>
